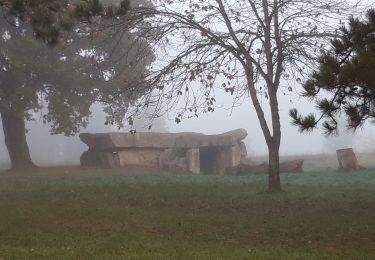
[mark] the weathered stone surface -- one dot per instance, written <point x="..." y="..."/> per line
<point x="90" y="159"/>
<point x="228" y="157"/>
<point x="234" y="170"/>
<point x="226" y="139"/>
<point x="170" y="154"/>
<point x="167" y="155"/>
<point x="110" y="141"/>
<point x="237" y="134"/>
<point x="193" y="161"/>
<point x="145" y="157"/>
<point x="291" y="166"/>
<point x="245" y="168"/>
<point x="253" y="169"/>
<point x="243" y="151"/>
<point x="99" y="159"/>
<point x="193" y="152"/>
<point x="177" y="164"/>
<point x="347" y="160"/>
<point x="173" y="159"/>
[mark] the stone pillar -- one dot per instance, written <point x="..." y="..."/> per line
<point x="92" y="158"/>
<point x="243" y="151"/>
<point x="109" y="159"/>
<point x="227" y="157"/>
<point x="193" y="161"/>
<point x="347" y="160"/>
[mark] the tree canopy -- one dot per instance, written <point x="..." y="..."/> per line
<point x="96" y="63"/>
<point x="345" y="81"/>
<point x="51" y="20"/>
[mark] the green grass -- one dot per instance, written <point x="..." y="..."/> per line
<point x="107" y="215"/>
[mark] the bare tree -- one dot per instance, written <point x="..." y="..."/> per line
<point x="248" y="48"/>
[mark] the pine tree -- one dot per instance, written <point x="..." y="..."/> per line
<point x="345" y="79"/>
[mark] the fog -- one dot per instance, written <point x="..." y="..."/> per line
<point x="49" y="149"/>
<point x="293" y="142"/>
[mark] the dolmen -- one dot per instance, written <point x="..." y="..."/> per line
<point x="189" y="152"/>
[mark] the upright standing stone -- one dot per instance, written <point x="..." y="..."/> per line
<point x="243" y="151"/>
<point x="347" y="160"/>
<point x="193" y="161"/>
<point x="100" y="159"/>
<point x="228" y="157"/>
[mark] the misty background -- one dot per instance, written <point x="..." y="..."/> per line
<point x="48" y="150"/>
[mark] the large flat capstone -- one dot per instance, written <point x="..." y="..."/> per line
<point x="120" y="141"/>
<point x="193" y="152"/>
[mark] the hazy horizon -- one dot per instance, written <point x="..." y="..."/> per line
<point x="49" y="149"/>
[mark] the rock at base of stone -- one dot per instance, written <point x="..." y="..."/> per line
<point x="243" y="168"/>
<point x="347" y="160"/>
<point x="253" y="169"/>
<point x="262" y="168"/>
<point x="232" y="170"/>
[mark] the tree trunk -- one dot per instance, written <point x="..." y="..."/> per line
<point x="15" y="140"/>
<point x="274" y="184"/>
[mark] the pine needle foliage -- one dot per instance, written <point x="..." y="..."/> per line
<point x="345" y="80"/>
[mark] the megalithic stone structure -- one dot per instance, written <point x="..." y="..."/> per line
<point x="348" y="160"/>
<point x="193" y="152"/>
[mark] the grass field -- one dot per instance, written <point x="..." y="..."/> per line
<point x="322" y="162"/>
<point x="67" y="213"/>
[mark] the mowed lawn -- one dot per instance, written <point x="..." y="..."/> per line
<point x="96" y="214"/>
